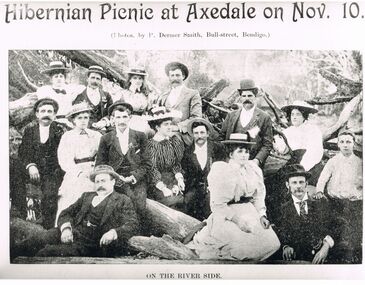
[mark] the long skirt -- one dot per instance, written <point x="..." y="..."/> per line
<point x="224" y="239"/>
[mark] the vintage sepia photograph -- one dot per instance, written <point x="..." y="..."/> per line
<point x="185" y="156"/>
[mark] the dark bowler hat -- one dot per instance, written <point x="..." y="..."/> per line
<point x="247" y="85"/>
<point x="198" y="120"/>
<point x="302" y="106"/>
<point x="79" y="108"/>
<point x="96" y="69"/>
<point x="138" y="71"/>
<point x="55" y="66"/>
<point x="239" y="138"/>
<point x="46" y="101"/>
<point x="177" y="65"/>
<point x="119" y="103"/>
<point x="295" y="170"/>
<point x="103" y="168"/>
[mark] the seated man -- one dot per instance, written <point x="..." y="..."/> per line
<point x="305" y="227"/>
<point x="98" y="224"/>
<point x="197" y="161"/>
<point x="341" y="180"/>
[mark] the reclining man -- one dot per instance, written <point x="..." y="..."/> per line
<point x="98" y="224"/>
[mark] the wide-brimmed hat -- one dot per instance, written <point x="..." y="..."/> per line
<point x="138" y="71"/>
<point x="177" y="65"/>
<point x="55" y="66"/>
<point x="103" y="168"/>
<point x="198" y="120"/>
<point x="47" y="101"/>
<point x="162" y="113"/>
<point x="295" y="170"/>
<point x="119" y="103"/>
<point x="247" y="85"/>
<point x="239" y="139"/>
<point x="96" y="69"/>
<point x="301" y="106"/>
<point x="79" y="108"/>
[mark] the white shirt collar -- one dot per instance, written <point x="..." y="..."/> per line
<point x="296" y="200"/>
<point x="248" y="112"/>
<point x="159" y="137"/>
<point x="202" y="148"/>
<point x="99" y="198"/>
<point x="177" y="88"/>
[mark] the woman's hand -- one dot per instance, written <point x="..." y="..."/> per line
<point x="167" y="192"/>
<point x="181" y="184"/>
<point x="265" y="223"/>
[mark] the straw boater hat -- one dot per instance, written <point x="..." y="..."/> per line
<point x="96" y="69"/>
<point x="295" y="170"/>
<point x="138" y="71"/>
<point x="198" y="120"/>
<point x="177" y="65"/>
<point x="301" y="106"/>
<point x="162" y="113"/>
<point x="55" y="66"/>
<point x="103" y="169"/>
<point x="247" y="85"/>
<point x="119" y="103"/>
<point x="78" y="108"/>
<point x="47" y="100"/>
<point x="239" y="138"/>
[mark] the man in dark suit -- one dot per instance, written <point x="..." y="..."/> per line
<point x="250" y="119"/>
<point x="197" y="161"/>
<point x="122" y="149"/>
<point x="305" y="228"/>
<point x="179" y="97"/>
<point x="98" y="224"/>
<point x="98" y="100"/>
<point x="38" y="153"/>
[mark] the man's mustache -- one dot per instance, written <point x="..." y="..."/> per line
<point x="247" y="102"/>
<point x="45" y="118"/>
<point x="176" y="81"/>
<point x="100" y="188"/>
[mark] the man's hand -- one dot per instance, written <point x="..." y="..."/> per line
<point x="321" y="255"/>
<point x="288" y="253"/>
<point x="318" y="195"/>
<point x="108" y="237"/>
<point x="67" y="236"/>
<point x="265" y="223"/>
<point x="167" y="192"/>
<point x="181" y="184"/>
<point x="34" y="173"/>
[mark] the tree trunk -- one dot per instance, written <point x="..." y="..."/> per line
<point x="164" y="220"/>
<point x="165" y="247"/>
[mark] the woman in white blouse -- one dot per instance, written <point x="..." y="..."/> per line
<point x="237" y="228"/>
<point x="76" y="156"/>
<point x="302" y="135"/>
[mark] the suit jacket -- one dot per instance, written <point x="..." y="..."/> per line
<point x="30" y="150"/>
<point x="189" y="103"/>
<point x="194" y="175"/>
<point x="100" y="110"/>
<point x="132" y="162"/>
<point x="304" y="234"/>
<point x="119" y="214"/>
<point x="264" y="138"/>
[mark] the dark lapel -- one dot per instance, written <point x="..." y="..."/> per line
<point x="115" y="142"/>
<point x="36" y="135"/>
<point x="234" y="120"/>
<point x="164" y="97"/>
<point x="109" y="207"/>
<point x="85" y="206"/>
<point x="194" y="159"/>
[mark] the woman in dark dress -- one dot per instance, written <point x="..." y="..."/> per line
<point x="165" y="152"/>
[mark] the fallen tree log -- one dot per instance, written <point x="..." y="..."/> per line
<point x="86" y="58"/>
<point x="164" y="220"/>
<point x="164" y="247"/>
<point x="211" y="92"/>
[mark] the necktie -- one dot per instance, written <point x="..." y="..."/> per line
<point x="302" y="211"/>
<point x="60" y="91"/>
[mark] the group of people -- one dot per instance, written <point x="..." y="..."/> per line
<point x="96" y="176"/>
